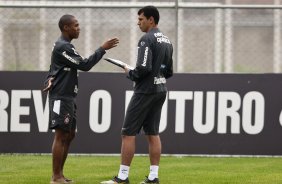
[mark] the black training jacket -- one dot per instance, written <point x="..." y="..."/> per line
<point x="154" y="63"/>
<point x="65" y="62"/>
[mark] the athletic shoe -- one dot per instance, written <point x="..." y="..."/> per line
<point x="116" y="180"/>
<point x="155" y="181"/>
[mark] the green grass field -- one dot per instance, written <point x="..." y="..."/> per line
<point x="36" y="169"/>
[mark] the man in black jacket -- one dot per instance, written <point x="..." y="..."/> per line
<point x="154" y="65"/>
<point x="62" y="84"/>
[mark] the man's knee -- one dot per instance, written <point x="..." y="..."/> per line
<point x="128" y="137"/>
<point x="63" y="136"/>
<point x="153" y="139"/>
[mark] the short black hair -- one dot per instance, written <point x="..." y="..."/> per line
<point x="65" y="20"/>
<point x="150" y="11"/>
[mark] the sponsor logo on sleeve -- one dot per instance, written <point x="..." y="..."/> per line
<point x="145" y="57"/>
<point x="70" y="58"/>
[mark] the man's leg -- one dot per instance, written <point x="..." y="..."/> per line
<point x="127" y="154"/>
<point x="127" y="149"/>
<point x="131" y="126"/>
<point x="58" y="150"/>
<point x="66" y="149"/>
<point x="155" y="154"/>
<point x="151" y="128"/>
<point x="155" y="149"/>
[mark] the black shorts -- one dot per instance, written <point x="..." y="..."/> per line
<point x="62" y="114"/>
<point x="144" y="111"/>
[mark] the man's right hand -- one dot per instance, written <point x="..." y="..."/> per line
<point x="110" y="43"/>
<point x="49" y="85"/>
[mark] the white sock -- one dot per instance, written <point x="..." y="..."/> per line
<point x="123" y="172"/>
<point x="154" y="171"/>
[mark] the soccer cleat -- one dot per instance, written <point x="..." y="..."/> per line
<point x="116" y="180"/>
<point x="155" y="181"/>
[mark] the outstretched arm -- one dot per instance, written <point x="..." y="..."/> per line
<point x="74" y="60"/>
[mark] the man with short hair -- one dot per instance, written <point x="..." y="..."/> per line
<point x="62" y="85"/>
<point x="154" y="65"/>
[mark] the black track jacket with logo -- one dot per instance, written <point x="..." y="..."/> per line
<point x="65" y="62"/>
<point x="154" y="63"/>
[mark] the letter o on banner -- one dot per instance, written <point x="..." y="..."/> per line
<point x="104" y="125"/>
<point x="253" y="126"/>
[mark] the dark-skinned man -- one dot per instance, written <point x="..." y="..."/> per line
<point x="62" y="87"/>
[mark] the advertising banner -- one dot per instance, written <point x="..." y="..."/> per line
<point x="216" y="114"/>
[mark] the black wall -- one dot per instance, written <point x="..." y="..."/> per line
<point x="204" y="114"/>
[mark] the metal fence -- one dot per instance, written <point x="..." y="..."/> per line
<point x="209" y="37"/>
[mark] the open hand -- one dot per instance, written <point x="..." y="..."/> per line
<point x="110" y="43"/>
